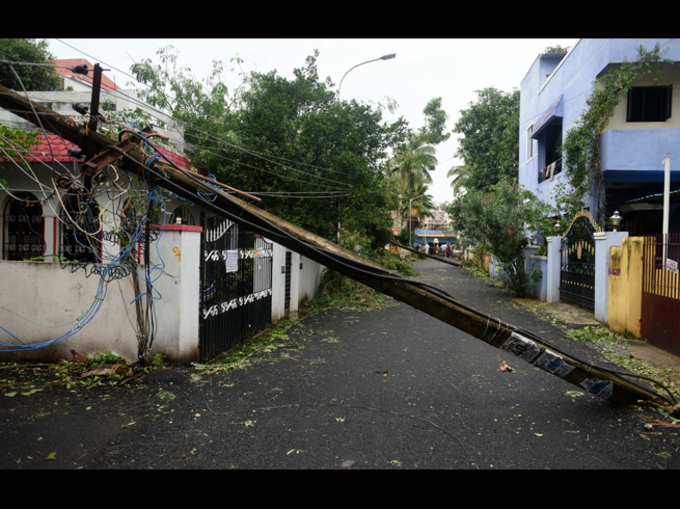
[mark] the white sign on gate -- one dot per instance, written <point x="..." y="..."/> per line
<point x="232" y="260"/>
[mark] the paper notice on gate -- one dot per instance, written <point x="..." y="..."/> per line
<point x="232" y="260"/>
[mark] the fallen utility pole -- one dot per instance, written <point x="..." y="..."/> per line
<point x="601" y="382"/>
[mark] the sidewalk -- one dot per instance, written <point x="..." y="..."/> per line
<point x="573" y="317"/>
<point x="384" y="389"/>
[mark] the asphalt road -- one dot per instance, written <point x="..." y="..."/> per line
<point x="384" y="389"/>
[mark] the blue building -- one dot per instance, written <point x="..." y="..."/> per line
<point x="643" y="128"/>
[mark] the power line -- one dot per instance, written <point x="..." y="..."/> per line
<point x="186" y="124"/>
<point x="266" y="157"/>
<point x="99" y="60"/>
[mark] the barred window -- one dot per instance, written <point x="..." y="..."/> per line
<point x="23" y="228"/>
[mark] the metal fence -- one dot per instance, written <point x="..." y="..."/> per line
<point x="236" y="281"/>
<point x="661" y="291"/>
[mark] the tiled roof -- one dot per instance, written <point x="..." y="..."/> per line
<point x="48" y="146"/>
<point x="107" y="84"/>
<point x="177" y="159"/>
<point x="53" y="144"/>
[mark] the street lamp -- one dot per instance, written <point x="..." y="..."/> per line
<point x="384" y="57"/>
<point x="616" y="219"/>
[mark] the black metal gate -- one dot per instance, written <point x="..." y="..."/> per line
<point x="236" y="282"/>
<point x="577" y="277"/>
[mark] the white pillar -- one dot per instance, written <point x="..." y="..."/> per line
<point x="177" y="311"/>
<point x="554" y="268"/>
<point x="603" y="244"/>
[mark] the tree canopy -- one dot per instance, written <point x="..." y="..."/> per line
<point x="459" y="176"/>
<point x="502" y="219"/>
<point x="490" y="142"/>
<point x="33" y="77"/>
<point x="550" y="50"/>
<point x="315" y="161"/>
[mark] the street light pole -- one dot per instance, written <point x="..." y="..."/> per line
<point x="410" y="232"/>
<point x="384" y="57"/>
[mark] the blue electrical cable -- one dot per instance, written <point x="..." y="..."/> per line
<point x="102" y="286"/>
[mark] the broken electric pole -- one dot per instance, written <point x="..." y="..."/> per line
<point x="602" y="382"/>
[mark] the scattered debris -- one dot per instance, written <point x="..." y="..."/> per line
<point x="650" y="423"/>
<point x="675" y="411"/>
<point x="505" y="367"/>
<point x="103" y="371"/>
<point x="79" y="358"/>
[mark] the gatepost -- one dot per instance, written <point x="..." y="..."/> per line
<point x="603" y="244"/>
<point x="178" y="286"/>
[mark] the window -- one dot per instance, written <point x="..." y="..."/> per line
<point x="23" y="228"/>
<point x="530" y="142"/>
<point x="551" y="143"/>
<point x="649" y="104"/>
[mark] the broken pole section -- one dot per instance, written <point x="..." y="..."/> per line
<point x="523" y="344"/>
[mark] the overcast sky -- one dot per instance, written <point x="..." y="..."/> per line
<point x="423" y="69"/>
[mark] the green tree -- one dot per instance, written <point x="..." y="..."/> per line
<point x="33" y="77"/>
<point x="490" y="142"/>
<point x="413" y="161"/>
<point x="14" y="144"/>
<point x="550" y="50"/>
<point x="317" y="161"/>
<point x="415" y="205"/>
<point x="459" y="176"/>
<point x="435" y="122"/>
<point x="502" y="219"/>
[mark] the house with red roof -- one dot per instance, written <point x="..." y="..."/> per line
<point x="77" y="81"/>
<point x="44" y="177"/>
<point x="114" y="102"/>
<point x="50" y="226"/>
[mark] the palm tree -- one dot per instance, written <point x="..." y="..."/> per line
<point x="413" y="161"/>
<point x="416" y="204"/>
<point x="460" y="175"/>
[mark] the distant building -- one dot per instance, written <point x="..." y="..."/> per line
<point x="77" y="88"/>
<point x="80" y="82"/>
<point x="436" y="227"/>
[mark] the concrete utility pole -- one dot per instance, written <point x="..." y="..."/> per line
<point x="524" y="344"/>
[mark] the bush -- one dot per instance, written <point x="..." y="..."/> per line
<point x="501" y="220"/>
<point x="337" y="290"/>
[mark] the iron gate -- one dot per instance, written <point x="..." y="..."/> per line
<point x="577" y="276"/>
<point x="660" y="306"/>
<point x="236" y="282"/>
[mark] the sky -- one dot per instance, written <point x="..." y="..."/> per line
<point x="423" y="69"/>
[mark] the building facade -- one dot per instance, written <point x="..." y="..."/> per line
<point x="642" y="129"/>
